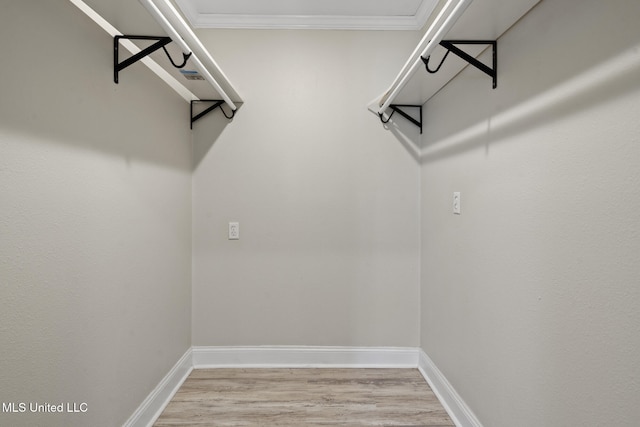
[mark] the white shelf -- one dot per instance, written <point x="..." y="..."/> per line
<point x="482" y="20"/>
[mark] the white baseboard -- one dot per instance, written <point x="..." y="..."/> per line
<point x="298" y="357"/>
<point x="457" y="409"/>
<point x="154" y="404"/>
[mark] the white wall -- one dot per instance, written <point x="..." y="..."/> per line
<point x="530" y="297"/>
<point x="327" y="199"/>
<point x="95" y="221"/>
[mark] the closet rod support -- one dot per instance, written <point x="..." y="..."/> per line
<point x="160" y="43"/>
<point x="217" y="103"/>
<point x="451" y="47"/>
<point x="398" y="108"/>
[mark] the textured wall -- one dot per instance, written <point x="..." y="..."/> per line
<point x="327" y="199"/>
<point x="95" y="224"/>
<point x="530" y="297"/>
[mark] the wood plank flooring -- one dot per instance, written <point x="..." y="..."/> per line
<point x="304" y="397"/>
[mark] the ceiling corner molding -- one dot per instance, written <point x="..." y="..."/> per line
<point x="298" y="22"/>
<point x="424" y="12"/>
<point x="410" y="15"/>
<point x="188" y="10"/>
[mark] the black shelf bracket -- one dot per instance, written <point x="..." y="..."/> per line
<point x="397" y="108"/>
<point x="216" y="103"/>
<point x="450" y="45"/>
<point x="161" y="43"/>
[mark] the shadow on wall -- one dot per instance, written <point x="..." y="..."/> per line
<point x="207" y="130"/>
<point x="406" y="132"/>
<point x="61" y="91"/>
<point x="544" y="78"/>
<point x="604" y="82"/>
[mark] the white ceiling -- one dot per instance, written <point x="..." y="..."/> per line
<point x="312" y="14"/>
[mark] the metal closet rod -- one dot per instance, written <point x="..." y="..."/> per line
<point x="176" y="27"/>
<point x="178" y="30"/>
<point x="445" y="19"/>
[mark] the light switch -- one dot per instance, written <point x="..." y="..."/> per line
<point x="456" y="203"/>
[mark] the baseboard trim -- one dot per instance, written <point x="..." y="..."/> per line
<point x="304" y="356"/>
<point x="455" y="406"/>
<point x="149" y="411"/>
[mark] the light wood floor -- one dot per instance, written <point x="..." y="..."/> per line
<point x="304" y="397"/>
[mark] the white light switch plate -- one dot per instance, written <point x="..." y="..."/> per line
<point x="456" y="203"/>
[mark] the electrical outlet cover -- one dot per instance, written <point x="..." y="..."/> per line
<point x="234" y="231"/>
